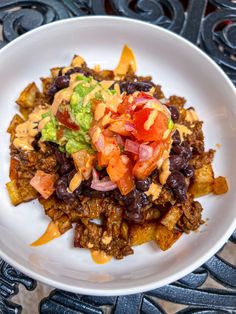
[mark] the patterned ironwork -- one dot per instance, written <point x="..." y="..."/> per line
<point x="210" y="24"/>
<point x="10" y="278"/>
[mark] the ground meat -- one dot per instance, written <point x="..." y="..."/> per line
<point x="177" y="101"/>
<point x="113" y="218"/>
<point x="92" y="207"/>
<point x="192" y="217"/>
<point x="158" y="93"/>
<point x="196" y="139"/>
<point x="202" y="159"/>
<point x="165" y="198"/>
<point x="114" y="213"/>
<point x="91" y="236"/>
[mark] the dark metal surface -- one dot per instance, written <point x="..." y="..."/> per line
<point x="210" y="24"/>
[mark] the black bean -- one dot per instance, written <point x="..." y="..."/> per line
<point x="36" y="141"/>
<point x="130" y="197"/>
<point x="131" y="87"/>
<point x="118" y="196"/>
<point x="178" y="186"/>
<point x="62" y="190"/>
<point x="188" y="171"/>
<point x="174" y="113"/>
<point x="175" y="180"/>
<point x="176" y="138"/>
<point x="62" y="82"/>
<point x="177" y="162"/>
<point x="182" y="150"/>
<point x="180" y="194"/>
<point x="66" y="164"/>
<point x="135" y="200"/>
<point x="136" y="217"/>
<point x="143" y="185"/>
<point x="84" y="71"/>
<point x="144" y="199"/>
<point x="52" y="90"/>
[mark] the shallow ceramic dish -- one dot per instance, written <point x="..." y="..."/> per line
<point x="181" y="69"/>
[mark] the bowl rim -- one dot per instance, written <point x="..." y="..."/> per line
<point x="142" y="287"/>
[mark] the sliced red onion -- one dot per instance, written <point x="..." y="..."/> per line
<point x="129" y="126"/>
<point x="95" y="175"/>
<point x="145" y="152"/>
<point x="125" y="159"/>
<point x="131" y="146"/>
<point x="119" y="140"/>
<point x="100" y="144"/>
<point x="103" y="186"/>
<point x="141" y="100"/>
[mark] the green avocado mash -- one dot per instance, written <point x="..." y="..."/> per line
<point x="80" y="113"/>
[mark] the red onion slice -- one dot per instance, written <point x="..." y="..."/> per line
<point x="145" y="152"/>
<point x="95" y="175"/>
<point x="100" y="144"/>
<point x="129" y="126"/>
<point x="103" y="186"/>
<point x="141" y="100"/>
<point x="119" y="140"/>
<point x="131" y="146"/>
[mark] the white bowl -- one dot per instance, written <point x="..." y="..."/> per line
<point x="181" y="69"/>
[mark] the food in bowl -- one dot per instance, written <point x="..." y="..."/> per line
<point x="106" y="151"/>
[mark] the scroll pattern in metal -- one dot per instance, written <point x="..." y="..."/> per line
<point x="209" y="24"/>
<point x="10" y="278"/>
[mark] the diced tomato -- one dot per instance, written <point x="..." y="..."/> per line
<point x="157" y="129"/>
<point x="145" y="95"/>
<point x="126" y="183"/>
<point x="65" y="119"/>
<point x="44" y="183"/>
<point x="126" y="106"/>
<point x="102" y="159"/>
<point x="143" y="169"/>
<point x="83" y="163"/>
<point x="116" y="168"/>
<point x="60" y="132"/>
<point x="119" y="128"/>
<point x="111" y="149"/>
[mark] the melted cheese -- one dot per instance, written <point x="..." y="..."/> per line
<point x="75" y="182"/>
<point x="77" y="61"/>
<point x="106" y="84"/>
<point x="191" y="116"/>
<point x="150" y="120"/>
<point x="97" y="68"/>
<point x="96" y="134"/>
<point x="26" y="131"/>
<point x="99" y="111"/>
<point x="127" y="60"/>
<point x="183" y="130"/>
<point x="64" y="94"/>
<point x="165" y="171"/>
<point x="100" y="257"/>
<point x="52" y="232"/>
<point x="154" y="190"/>
<point x="91" y="95"/>
<point x="107" y="119"/>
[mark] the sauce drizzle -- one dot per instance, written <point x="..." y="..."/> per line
<point x="100" y="257"/>
<point x="52" y="232"/>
